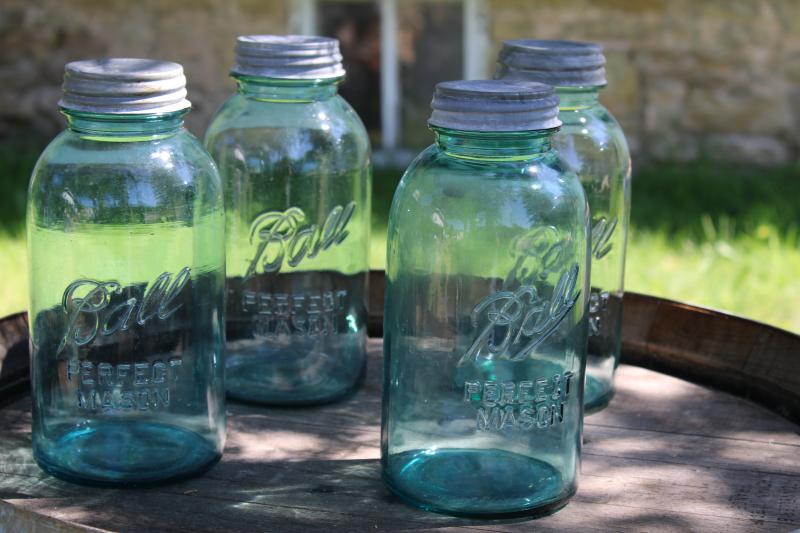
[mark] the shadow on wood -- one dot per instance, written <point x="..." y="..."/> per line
<point x="666" y="455"/>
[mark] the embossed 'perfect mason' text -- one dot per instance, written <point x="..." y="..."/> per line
<point x="123" y="387"/>
<point x="306" y="314"/>
<point x="520" y="405"/>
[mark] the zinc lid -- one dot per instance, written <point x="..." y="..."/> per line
<point x="494" y="105"/>
<point x="301" y="57"/>
<point x="557" y="63"/>
<point x="124" y="86"/>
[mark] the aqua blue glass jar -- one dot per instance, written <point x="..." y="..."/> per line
<point x="126" y="268"/>
<point x="294" y="161"/>
<point x="591" y="141"/>
<point x="486" y="309"/>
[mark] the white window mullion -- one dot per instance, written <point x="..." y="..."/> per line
<point x="303" y="17"/>
<point x="476" y="39"/>
<point x="390" y="76"/>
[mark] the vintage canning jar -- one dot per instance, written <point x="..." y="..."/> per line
<point x="486" y="309"/>
<point x="593" y="144"/>
<point x="294" y="161"/>
<point x="126" y="262"/>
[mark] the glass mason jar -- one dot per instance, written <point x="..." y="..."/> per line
<point x="593" y="144"/>
<point x="126" y="262"/>
<point x="294" y="161"/>
<point x="485" y="317"/>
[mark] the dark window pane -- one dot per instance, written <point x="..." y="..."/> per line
<point x="357" y="26"/>
<point x="430" y="49"/>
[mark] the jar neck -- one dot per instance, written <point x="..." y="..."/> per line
<point x="572" y="98"/>
<point x="494" y="146"/>
<point x="286" y="91"/>
<point x="124" y="128"/>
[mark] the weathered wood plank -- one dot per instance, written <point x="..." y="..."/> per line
<point x="686" y="408"/>
<point x="13" y="357"/>
<point x="666" y="455"/>
<point x="15" y="519"/>
<point x="747" y="358"/>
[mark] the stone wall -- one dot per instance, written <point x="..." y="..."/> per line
<point x="38" y="37"/>
<point x="689" y="79"/>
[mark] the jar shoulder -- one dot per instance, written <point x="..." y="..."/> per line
<point x="72" y="152"/>
<point x="241" y="119"/>
<point x="505" y="194"/>
<point x="592" y="142"/>
<point x="76" y="171"/>
<point x="547" y="175"/>
<point x="469" y="219"/>
<point x="595" y="128"/>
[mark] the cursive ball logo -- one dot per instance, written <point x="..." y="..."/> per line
<point x="92" y="309"/>
<point x="514" y="324"/>
<point x="602" y="231"/>
<point x="279" y="236"/>
<point x="536" y="255"/>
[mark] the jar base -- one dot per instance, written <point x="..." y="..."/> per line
<point x="129" y="454"/>
<point x="596" y="395"/>
<point x="490" y="483"/>
<point x="297" y="375"/>
<point x="300" y="398"/>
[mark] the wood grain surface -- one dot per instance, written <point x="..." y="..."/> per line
<point x="666" y="455"/>
<point x="747" y="358"/>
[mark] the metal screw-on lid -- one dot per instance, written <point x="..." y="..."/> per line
<point x="557" y="63"/>
<point x="299" y="57"/>
<point x="124" y="86"/>
<point x="494" y="105"/>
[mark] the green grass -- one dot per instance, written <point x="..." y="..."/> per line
<point x="753" y="275"/>
<point x="13" y="273"/>
<point x="711" y="235"/>
<point x="720" y="237"/>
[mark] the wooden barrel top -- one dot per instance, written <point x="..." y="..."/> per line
<point x="666" y="455"/>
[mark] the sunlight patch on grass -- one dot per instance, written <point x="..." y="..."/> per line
<point x="756" y="276"/>
<point x="13" y="273"/>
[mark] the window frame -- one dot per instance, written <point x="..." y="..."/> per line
<point x="475" y="45"/>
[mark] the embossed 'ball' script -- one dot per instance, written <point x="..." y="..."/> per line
<point x="91" y="308"/>
<point x="521" y="319"/>
<point x="279" y="235"/>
